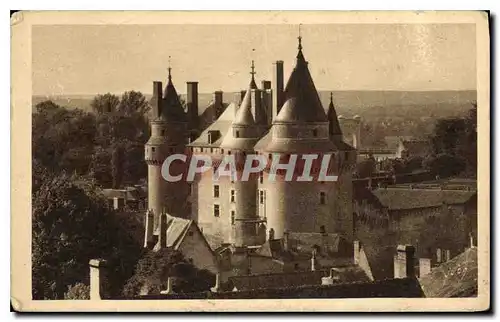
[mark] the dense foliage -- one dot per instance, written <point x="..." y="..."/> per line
<point x="153" y="270"/>
<point x="71" y="224"/>
<point x="108" y="144"/>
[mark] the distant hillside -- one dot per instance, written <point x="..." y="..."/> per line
<point x="368" y="104"/>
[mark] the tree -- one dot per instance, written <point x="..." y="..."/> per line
<point x="106" y="103"/>
<point x="366" y="168"/>
<point x="71" y="224"/>
<point x="79" y="291"/>
<point x="444" y="165"/>
<point x="117" y="160"/>
<point x="152" y="272"/>
<point x="133" y="102"/>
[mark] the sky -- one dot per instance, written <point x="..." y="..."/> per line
<point x="92" y="59"/>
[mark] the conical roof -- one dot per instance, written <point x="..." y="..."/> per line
<point x="172" y="109"/>
<point x="301" y="95"/>
<point x="244" y="114"/>
<point x="332" y="117"/>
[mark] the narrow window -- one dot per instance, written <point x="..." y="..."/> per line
<point x="315" y="132"/>
<point x="222" y="151"/>
<point x="229" y="152"/>
<point x="232" y="195"/>
<point x="216" y="211"/>
<point x="211" y="150"/>
<point x="233" y="214"/>
<point x="153" y="149"/>
<point x="237" y="134"/>
<point x="261" y="197"/>
<point x="261" y="177"/>
<point x="216" y="191"/>
<point x="322" y="198"/>
<point x="201" y="149"/>
<point x="162" y="132"/>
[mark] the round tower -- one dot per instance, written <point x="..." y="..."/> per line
<point x="300" y="128"/>
<point x="168" y="136"/>
<point x="246" y="129"/>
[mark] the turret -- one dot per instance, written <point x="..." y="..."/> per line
<point x="168" y="136"/>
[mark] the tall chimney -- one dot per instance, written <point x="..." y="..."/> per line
<point x="266" y="85"/>
<point x="278" y="88"/>
<point x="285" y="240"/>
<point x="157" y="99"/>
<point x="404" y="262"/>
<point x="313" y="260"/>
<point x="148" y="236"/>
<point x="98" y="279"/>
<point x="162" y="238"/>
<point x="216" y="287"/>
<point x="192" y="103"/>
<point x="218" y="104"/>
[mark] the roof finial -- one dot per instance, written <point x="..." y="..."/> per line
<point x="300" y="38"/>
<point x="253" y="69"/>
<point x="331" y="97"/>
<point x="169" y="69"/>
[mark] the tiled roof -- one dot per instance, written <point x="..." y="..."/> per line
<point x="455" y="278"/>
<point x="395" y="199"/>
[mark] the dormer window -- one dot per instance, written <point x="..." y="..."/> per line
<point x="213" y="136"/>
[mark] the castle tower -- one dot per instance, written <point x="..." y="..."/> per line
<point x="300" y="127"/>
<point x="248" y="126"/>
<point x="168" y="136"/>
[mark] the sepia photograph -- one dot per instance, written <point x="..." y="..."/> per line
<point x="287" y="160"/>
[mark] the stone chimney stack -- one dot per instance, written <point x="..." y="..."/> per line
<point x="192" y="104"/>
<point x="216" y="287"/>
<point x="471" y="240"/>
<point x="313" y="260"/>
<point x="278" y="88"/>
<point x="424" y="265"/>
<point x="218" y="107"/>
<point x="404" y="262"/>
<point x="438" y="256"/>
<point x="169" y="289"/>
<point x="98" y="279"/>
<point x="286" y="242"/>
<point x="162" y="238"/>
<point x="148" y="235"/>
<point x="156" y="101"/>
<point x="329" y="280"/>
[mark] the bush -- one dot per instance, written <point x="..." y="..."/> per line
<point x="79" y="291"/>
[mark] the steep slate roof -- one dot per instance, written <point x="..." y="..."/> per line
<point x="302" y="103"/>
<point x="332" y="117"/>
<point x="395" y="199"/>
<point x="172" y="109"/>
<point x="222" y="124"/>
<point x="455" y="278"/>
<point x="176" y="230"/>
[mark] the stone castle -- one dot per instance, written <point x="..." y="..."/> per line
<point x="274" y="120"/>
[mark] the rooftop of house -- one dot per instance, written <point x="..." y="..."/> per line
<point x="221" y="126"/>
<point x="400" y="198"/>
<point x="390" y="288"/>
<point x="128" y="193"/>
<point x="176" y="230"/>
<point x="454" y="278"/>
